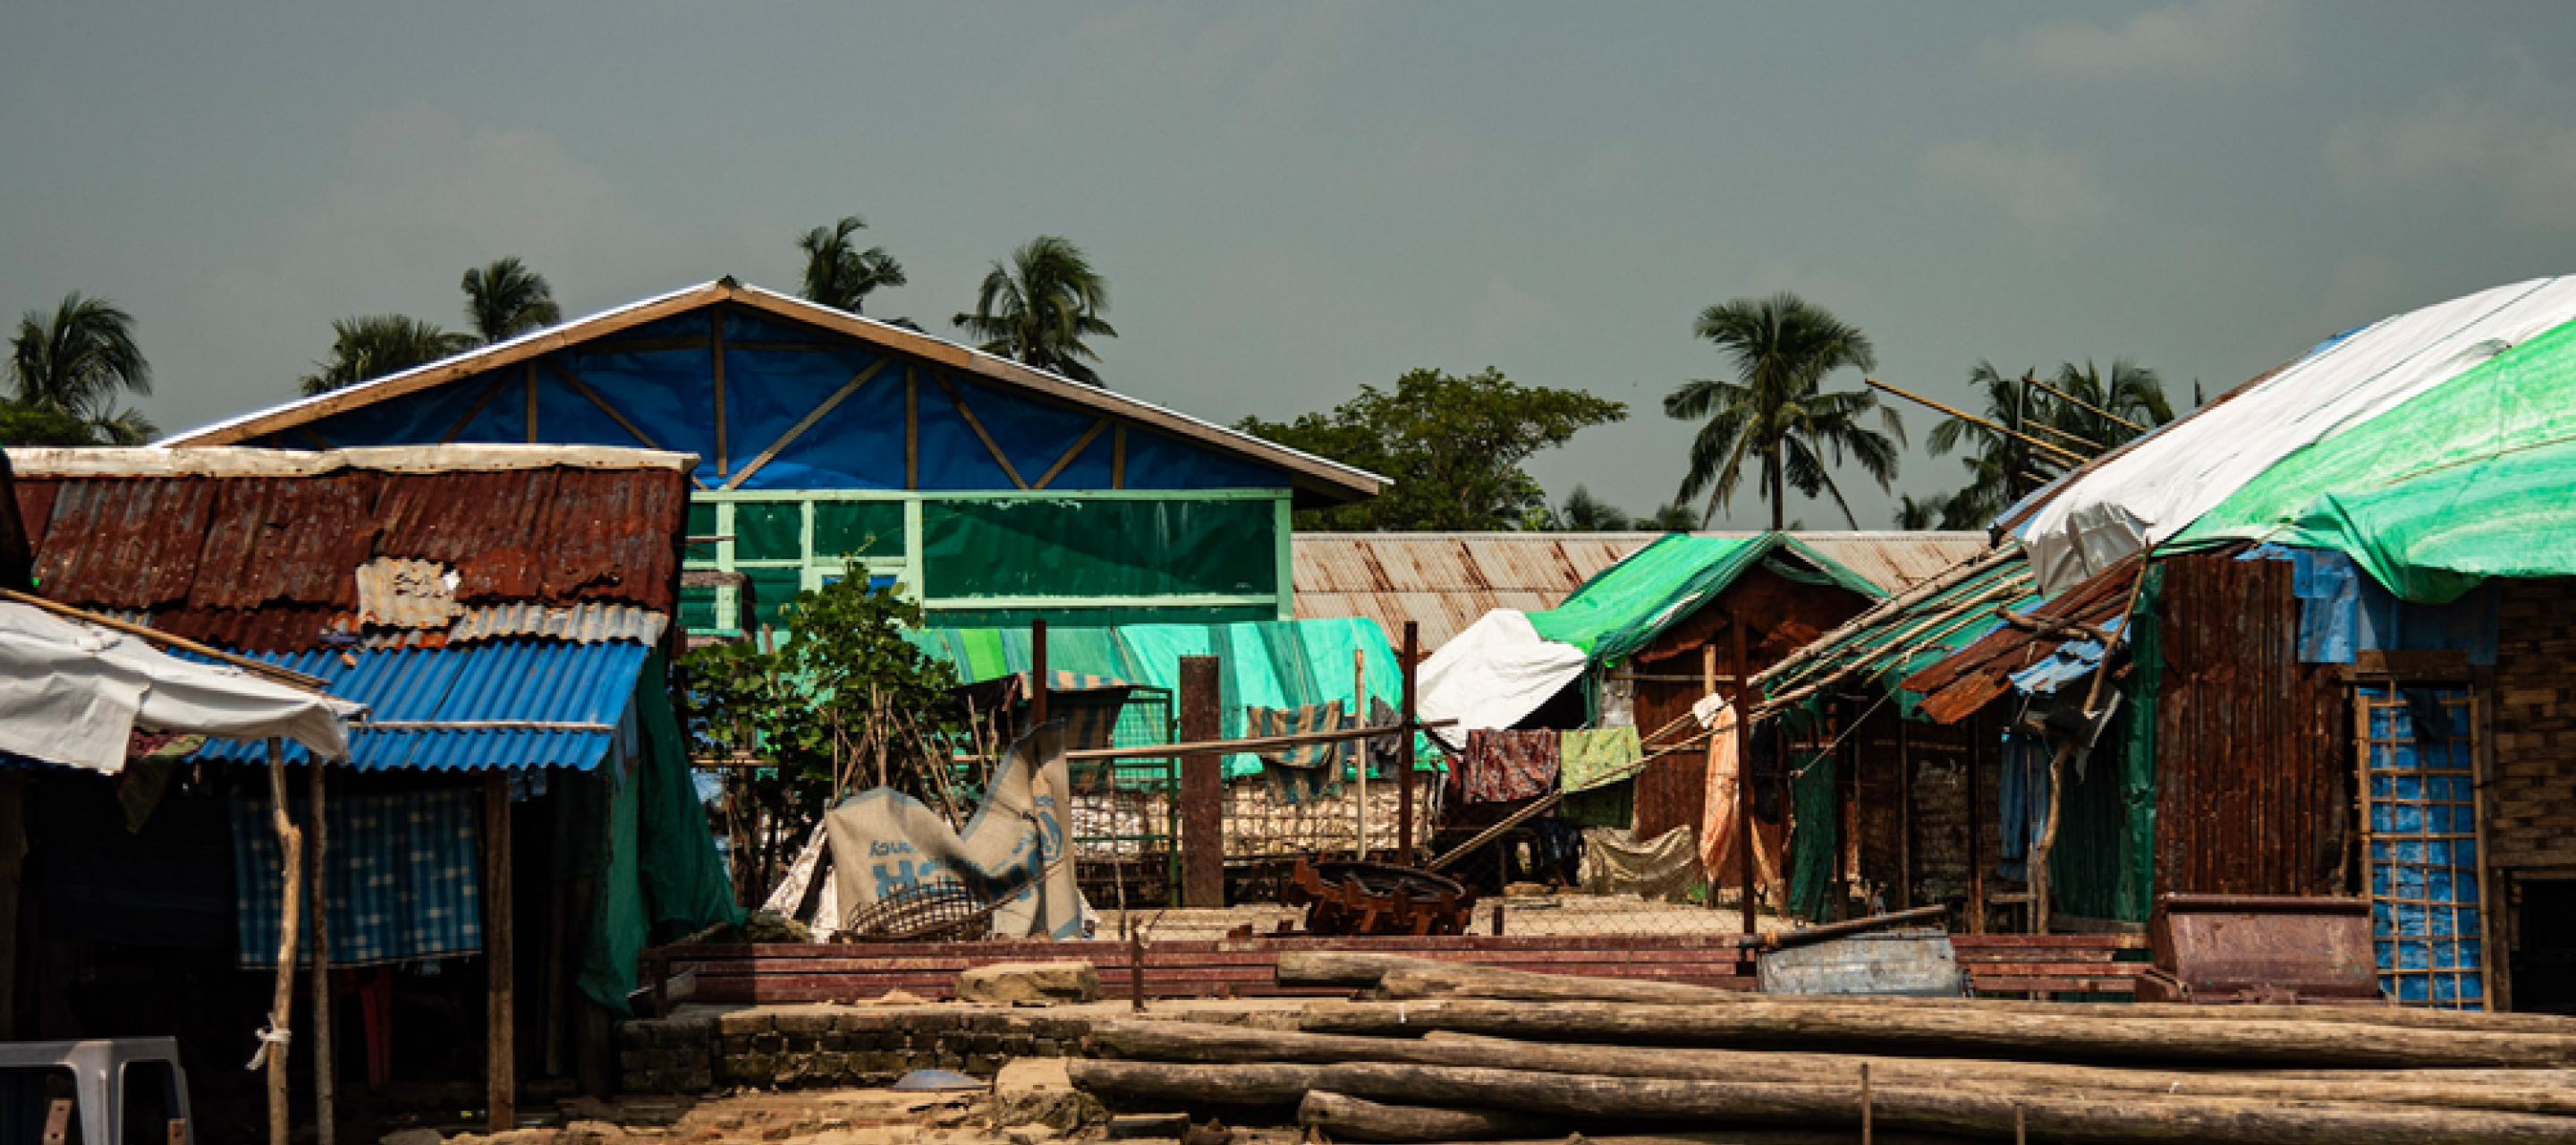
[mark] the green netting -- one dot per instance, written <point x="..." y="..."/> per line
<point x="1813" y="836"/>
<point x="647" y="841"/>
<point x="858" y="528"/>
<point x="769" y="531"/>
<point x="1033" y="547"/>
<point x="1624" y="607"/>
<point x="2466" y="481"/>
<point x="2103" y="865"/>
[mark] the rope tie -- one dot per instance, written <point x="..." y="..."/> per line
<point x="270" y="1035"/>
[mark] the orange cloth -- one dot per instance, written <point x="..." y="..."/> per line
<point x="1719" y="817"/>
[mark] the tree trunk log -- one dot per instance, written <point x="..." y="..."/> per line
<point x="1345" y="1118"/>
<point x="1460" y="980"/>
<point x="2049" y="1115"/>
<point x="2544" y="1092"/>
<point x="2101" y="1035"/>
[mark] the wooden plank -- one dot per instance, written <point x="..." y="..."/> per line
<point x="911" y="430"/>
<point x="1202" y="787"/>
<point x="2056" y="985"/>
<point x="473" y="411"/>
<point x="531" y="380"/>
<point x="977" y="424"/>
<point x="1118" y="457"/>
<point x="577" y="386"/>
<point x="856" y="383"/>
<point x="1079" y="444"/>
<point x="716" y="355"/>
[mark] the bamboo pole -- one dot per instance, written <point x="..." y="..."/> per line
<point x="2085" y="405"/>
<point x="1359" y="715"/>
<point x="323" y="1082"/>
<point x="2055" y="432"/>
<point x="273" y="1038"/>
<point x="1973" y="419"/>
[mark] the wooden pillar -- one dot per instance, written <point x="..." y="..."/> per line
<point x="1744" y="821"/>
<point x="322" y="1079"/>
<point x="1408" y="661"/>
<point x="1977" y="734"/>
<point x="1202" y="787"/>
<point x="13" y="852"/>
<point x="501" y="1066"/>
<point x="1904" y="818"/>
<point x="290" y="846"/>
<point x="1039" y="678"/>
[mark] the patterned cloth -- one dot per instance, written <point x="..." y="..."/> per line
<point x="1502" y="766"/>
<point x="1597" y="757"/>
<point x="404" y="877"/>
<point x="1306" y="771"/>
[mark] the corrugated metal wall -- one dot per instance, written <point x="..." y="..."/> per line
<point x="2252" y="746"/>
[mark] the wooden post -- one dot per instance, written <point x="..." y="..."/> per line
<point x="716" y="363"/>
<point x="1744" y="822"/>
<point x="501" y="1068"/>
<point x="290" y="848"/>
<point x="1359" y="715"/>
<point x="1202" y="787"/>
<point x="1977" y="733"/>
<point x="1865" y="1138"/>
<point x="1904" y="819"/>
<point x="1408" y="663"/>
<point x="322" y="1079"/>
<point x="13" y="852"/>
<point x="1038" y="676"/>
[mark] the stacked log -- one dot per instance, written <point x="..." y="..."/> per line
<point x="1455" y="1053"/>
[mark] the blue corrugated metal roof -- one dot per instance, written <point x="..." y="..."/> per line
<point x="501" y="681"/>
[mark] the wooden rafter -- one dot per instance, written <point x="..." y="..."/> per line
<point x="575" y="383"/>
<point x="990" y="446"/>
<point x="716" y="353"/>
<point x="1118" y="457"/>
<point x="1079" y="444"/>
<point x="532" y="401"/>
<point x="911" y="430"/>
<point x="857" y="381"/>
<point x="476" y="410"/>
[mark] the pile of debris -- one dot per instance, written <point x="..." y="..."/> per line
<point x="1445" y="1052"/>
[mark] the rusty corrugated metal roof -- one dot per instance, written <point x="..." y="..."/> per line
<point x="1444" y="581"/>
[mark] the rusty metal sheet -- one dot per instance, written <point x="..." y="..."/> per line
<point x="125" y="542"/>
<point x="2230" y="948"/>
<point x="544" y="534"/>
<point x="2252" y="746"/>
<point x="285" y="539"/>
<point x="273" y="628"/>
<point x="1897" y="560"/>
<point x="35" y="506"/>
<point x="1981" y="672"/>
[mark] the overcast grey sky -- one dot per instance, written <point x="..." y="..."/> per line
<point x="1292" y="199"/>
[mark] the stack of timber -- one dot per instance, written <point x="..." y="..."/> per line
<point x="1437" y="1051"/>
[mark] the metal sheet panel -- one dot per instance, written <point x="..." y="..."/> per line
<point x="123" y="542"/>
<point x="284" y="539"/>
<point x="507" y="681"/>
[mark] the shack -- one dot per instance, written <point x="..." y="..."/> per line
<point x="515" y="818"/>
<point x="988" y="492"/>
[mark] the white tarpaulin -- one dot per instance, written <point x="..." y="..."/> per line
<point x="70" y="694"/>
<point x="2156" y="489"/>
<point x="1489" y="676"/>
<point x="885" y="842"/>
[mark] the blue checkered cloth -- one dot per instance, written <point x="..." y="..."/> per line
<point x="404" y="878"/>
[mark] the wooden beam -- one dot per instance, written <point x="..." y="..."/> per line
<point x="1202" y="787"/>
<point x="532" y="402"/>
<point x="911" y="430"/>
<point x="501" y="1066"/>
<point x="716" y="354"/>
<point x="315" y="439"/>
<point x="1079" y="444"/>
<point x="575" y="383"/>
<point x="476" y="410"/>
<point x="2082" y="404"/>
<point x="973" y="423"/>
<point x="1118" y="457"/>
<point x="855" y="384"/>
<point x="1973" y="419"/>
<point x="670" y="345"/>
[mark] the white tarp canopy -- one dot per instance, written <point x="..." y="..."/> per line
<point x="70" y="693"/>
<point x="2163" y="483"/>
<point x="1497" y="671"/>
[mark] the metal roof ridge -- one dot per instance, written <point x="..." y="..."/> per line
<point x="230" y="461"/>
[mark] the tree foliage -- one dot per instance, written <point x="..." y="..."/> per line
<point x="1038" y="309"/>
<point x="379" y="344"/>
<point x="74" y="363"/>
<point x="1776" y="412"/>
<point x="24" y="425"/>
<point x="840" y="275"/>
<point x="2002" y="468"/>
<point x="504" y="299"/>
<point x="841" y="702"/>
<point x="1453" y="446"/>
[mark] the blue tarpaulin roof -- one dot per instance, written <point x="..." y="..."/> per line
<point x="541" y="703"/>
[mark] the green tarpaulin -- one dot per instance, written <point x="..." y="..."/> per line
<point x="2471" y="479"/>
<point x="1624" y="607"/>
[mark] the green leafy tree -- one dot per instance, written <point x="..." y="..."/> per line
<point x="23" y="425"/>
<point x="1453" y="447"/>
<point x="1038" y="309"/>
<point x="75" y="362"/>
<point x="2003" y="468"/>
<point x="379" y="344"/>
<point x="1674" y="517"/>
<point x="1929" y="513"/>
<point x="1776" y="412"/>
<point x="504" y="299"/>
<point x="842" y="702"/>
<point x="840" y="275"/>
<point x="1581" y="512"/>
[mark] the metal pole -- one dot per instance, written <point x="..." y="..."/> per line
<point x="1405" y="770"/>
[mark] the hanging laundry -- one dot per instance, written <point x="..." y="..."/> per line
<point x="1502" y="766"/>
<point x="1306" y="771"/>
<point x="1598" y="772"/>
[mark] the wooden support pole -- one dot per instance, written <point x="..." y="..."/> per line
<point x="290" y="849"/>
<point x="13" y="853"/>
<point x="322" y="1078"/>
<point x="1977" y="735"/>
<point x="1409" y="664"/>
<point x="1745" y="847"/>
<point x="1359" y="716"/>
<point x="1202" y="787"/>
<point x="716" y="364"/>
<point x="501" y="1068"/>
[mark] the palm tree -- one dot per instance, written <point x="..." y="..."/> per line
<point x="1777" y="411"/>
<point x="1585" y="513"/>
<point x="504" y="299"/>
<point x="379" y="344"/>
<point x="2003" y="469"/>
<point x="1672" y="518"/>
<point x="2131" y="398"/>
<point x="75" y="362"/>
<point x="837" y="274"/>
<point x="1915" y="516"/>
<point x="1038" y="309"/>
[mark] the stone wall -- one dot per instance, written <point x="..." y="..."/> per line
<point x="2531" y="797"/>
<point x="834" y="1045"/>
